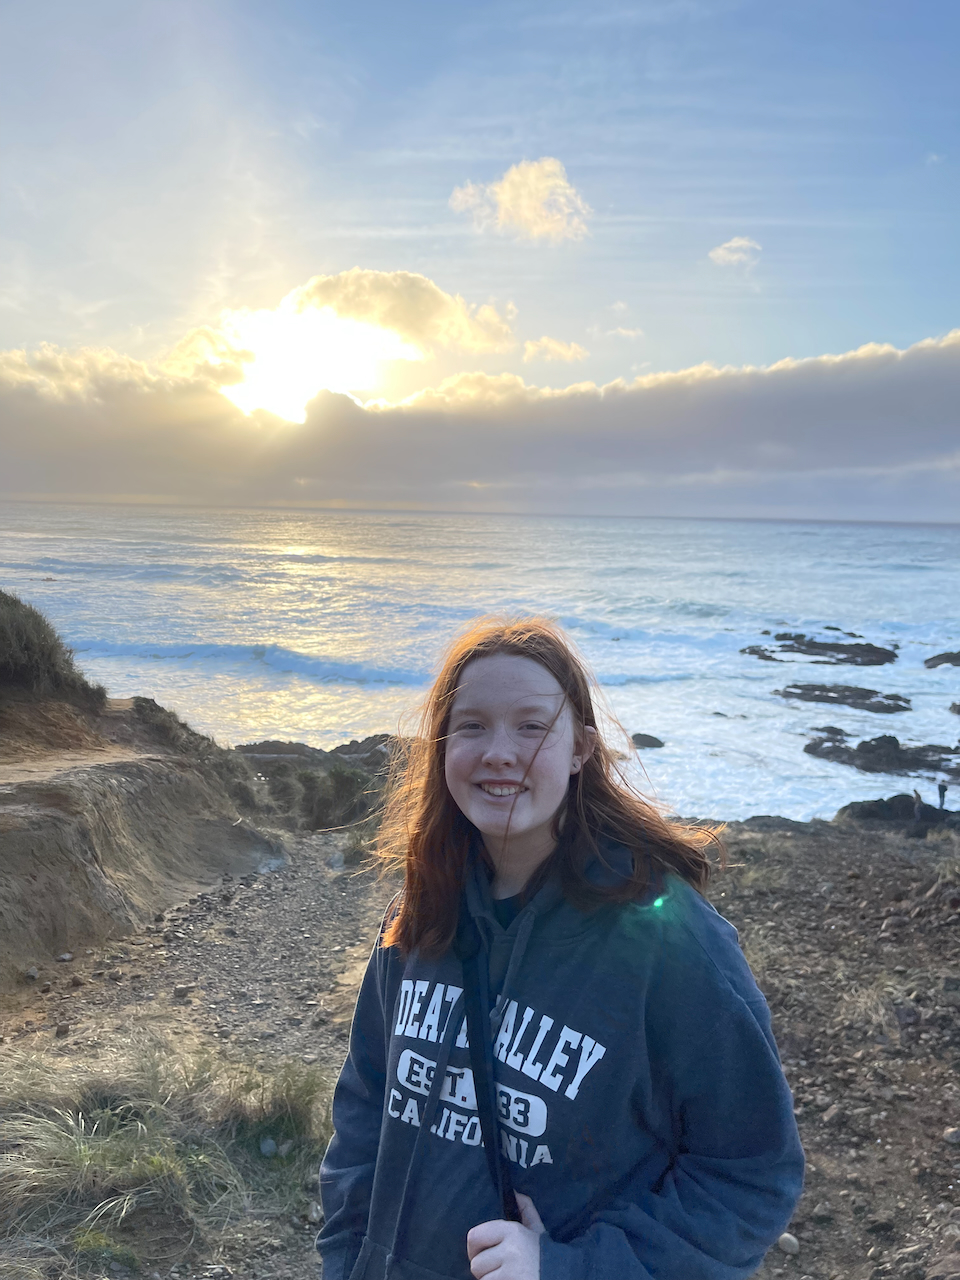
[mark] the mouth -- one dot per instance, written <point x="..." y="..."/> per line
<point x="500" y="789"/>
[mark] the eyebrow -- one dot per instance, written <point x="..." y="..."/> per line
<point x="520" y="710"/>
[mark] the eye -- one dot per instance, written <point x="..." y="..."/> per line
<point x="467" y="726"/>
<point x="531" y="728"/>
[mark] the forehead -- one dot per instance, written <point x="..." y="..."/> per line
<point x="505" y="678"/>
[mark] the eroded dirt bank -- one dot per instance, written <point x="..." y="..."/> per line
<point x="104" y="820"/>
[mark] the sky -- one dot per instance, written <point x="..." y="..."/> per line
<point x="674" y="257"/>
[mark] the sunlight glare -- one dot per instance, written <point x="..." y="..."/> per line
<point x="299" y="353"/>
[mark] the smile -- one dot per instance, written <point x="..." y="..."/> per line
<point x="501" y="788"/>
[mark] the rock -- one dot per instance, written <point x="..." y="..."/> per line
<point x="833" y="1114"/>
<point x="32" y="974"/>
<point x="788" y="1244"/>
<point x="879" y="1226"/>
<point x="827" y="651"/>
<point x="115" y="975"/>
<point x="314" y="1213"/>
<point x="63" y="1029"/>
<point x="952" y="1136"/>
<point x="285" y="1148"/>
<point x="942" y="659"/>
<point x="645" y="740"/>
<point x="955" y="708"/>
<point x="65" y="958"/>
<point x="45" y="988"/>
<point x="183" y="989"/>
<point x="822" y="1214"/>
<point x="268" y="1148"/>
<point x="846" y="695"/>
<point x="76" y="981"/>
<point x="885" y="754"/>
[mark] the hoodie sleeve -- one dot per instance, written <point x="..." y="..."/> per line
<point x="719" y="1088"/>
<point x="346" y="1174"/>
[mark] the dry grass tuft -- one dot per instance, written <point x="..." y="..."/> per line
<point x="88" y="1151"/>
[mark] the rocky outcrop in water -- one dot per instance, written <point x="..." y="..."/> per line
<point x="884" y="754"/>
<point x="832" y="652"/>
<point x="943" y="659"/>
<point x="846" y="695"/>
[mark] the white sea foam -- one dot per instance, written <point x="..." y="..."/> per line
<point x="322" y="627"/>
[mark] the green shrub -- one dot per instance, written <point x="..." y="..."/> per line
<point x="34" y="659"/>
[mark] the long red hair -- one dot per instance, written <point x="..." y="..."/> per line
<point x="424" y="833"/>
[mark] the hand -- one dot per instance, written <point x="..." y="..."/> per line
<point x="508" y="1250"/>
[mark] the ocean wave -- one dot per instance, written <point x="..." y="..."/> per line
<point x="278" y="659"/>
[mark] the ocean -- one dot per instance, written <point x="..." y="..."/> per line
<point x="326" y="626"/>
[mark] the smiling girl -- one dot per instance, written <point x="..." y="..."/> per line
<point x="560" y="1064"/>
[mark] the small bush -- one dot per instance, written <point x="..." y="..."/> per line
<point x="230" y="767"/>
<point x="34" y="659"/>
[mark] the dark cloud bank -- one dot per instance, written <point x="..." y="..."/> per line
<point x="872" y="434"/>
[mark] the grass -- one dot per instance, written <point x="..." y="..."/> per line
<point x="135" y="1160"/>
<point x="34" y="660"/>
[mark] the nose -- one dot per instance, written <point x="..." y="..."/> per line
<point x="500" y="749"/>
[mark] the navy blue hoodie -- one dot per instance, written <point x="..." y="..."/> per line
<point x="641" y="1101"/>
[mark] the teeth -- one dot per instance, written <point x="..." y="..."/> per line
<point x="500" y="791"/>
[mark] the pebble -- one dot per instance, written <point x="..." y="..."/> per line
<point x="268" y="1147"/>
<point x="822" y="1213"/>
<point x="63" y="1029"/>
<point x="952" y="1136"/>
<point x="66" y="957"/>
<point x="45" y="988"/>
<point x="183" y="989"/>
<point x="788" y="1243"/>
<point x="33" y="973"/>
<point x="285" y="1147"/>
<point x="314" y="1212"/>
<point x="115" y="975"/>
<point x="76" y="981"/>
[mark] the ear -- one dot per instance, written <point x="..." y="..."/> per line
<point x="585" y="748"/>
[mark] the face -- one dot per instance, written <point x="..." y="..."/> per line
<point x="505" y="709"/>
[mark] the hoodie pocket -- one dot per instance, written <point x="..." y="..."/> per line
<point x="375" y="1263"/>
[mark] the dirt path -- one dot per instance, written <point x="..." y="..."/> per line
<point x="48" y="766"/>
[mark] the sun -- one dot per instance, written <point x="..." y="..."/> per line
<point x="297" y="353"/>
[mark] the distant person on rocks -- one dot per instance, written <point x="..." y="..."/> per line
<point x="560" y="1065"/>
<point x="942" y="788"/>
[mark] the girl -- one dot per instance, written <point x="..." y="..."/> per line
<point x="560" y="1065"/>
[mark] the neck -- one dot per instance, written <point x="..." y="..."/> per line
<point x="516" y="863"/>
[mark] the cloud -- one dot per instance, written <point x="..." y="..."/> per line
<point x="335" y="332"/>
<point x="869" y="434"/>
<point x="533" y="199"/>
<point x="410" y="305"/>
<point x="738" y="252"/>
<point x="552" y="349"/>
<point x="620" y="332"/>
